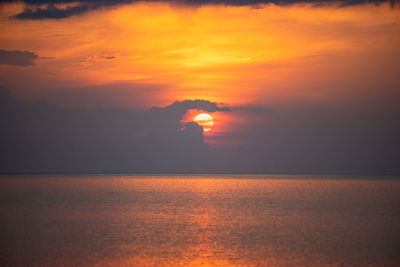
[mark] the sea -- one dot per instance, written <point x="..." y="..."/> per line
<point x="199" y="220"/>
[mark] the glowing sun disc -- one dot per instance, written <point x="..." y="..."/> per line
<point x="204" y="120"/>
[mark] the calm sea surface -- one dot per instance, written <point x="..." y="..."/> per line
<point x="220" y="220"/>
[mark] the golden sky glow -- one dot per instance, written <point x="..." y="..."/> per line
<point x="154" y="53"/>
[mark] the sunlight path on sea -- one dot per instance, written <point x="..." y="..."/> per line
<point x="224" y="220"/>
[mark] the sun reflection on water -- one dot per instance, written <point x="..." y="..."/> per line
<point x="198" y="221"/>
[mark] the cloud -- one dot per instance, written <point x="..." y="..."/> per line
<point x="113" y="95"/>
<point x="52" y="12"/>
<point x="46" y="137"/>
<point x="251" y="109"/>
<point x="18" y="58"/>
<point x="43" y="137"/>
<point x="181" y="107"/>
<point x="93" y="59"/>
<point x="49" y="9"/>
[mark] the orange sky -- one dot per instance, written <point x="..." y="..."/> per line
<point x="147" y="54"/>
<point x="293" y="87"/>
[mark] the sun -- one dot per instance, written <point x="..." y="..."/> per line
<point x="204" y="120"/>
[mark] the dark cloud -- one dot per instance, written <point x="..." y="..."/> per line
<point x="46" y="137"/>
<point x="43" y="137"/>
<point x="105" y="95"/>
<point x="252" y="109"/>
<point x="52" y="12"/>
<point x="16" y="57"/>
<point x="316" y="140"/>
<point x="180" y="107"/>
<point x="47" y="9"/>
